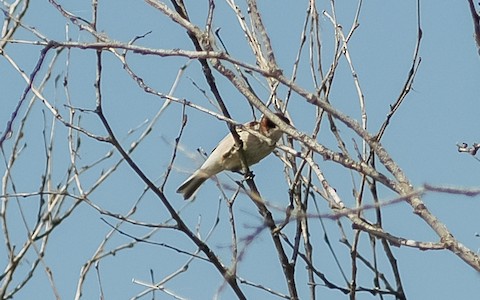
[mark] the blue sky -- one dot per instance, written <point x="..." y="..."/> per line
<point x="440" y="111"/>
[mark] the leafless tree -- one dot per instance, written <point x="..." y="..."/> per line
<point x="72" y="172"/>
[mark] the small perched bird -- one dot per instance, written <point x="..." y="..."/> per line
<point x="226" y="157"/>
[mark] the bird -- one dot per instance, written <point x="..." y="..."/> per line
<point x="225" y="155"/>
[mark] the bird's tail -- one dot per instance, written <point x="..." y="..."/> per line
<point x="188" y="188"/>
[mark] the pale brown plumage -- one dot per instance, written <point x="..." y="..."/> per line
<point x="225" y="157"/>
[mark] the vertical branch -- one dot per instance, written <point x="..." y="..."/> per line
<point x="250" y="36"/>
<point x="233" y="227"/>
<point x="476" y="22"/>
<point x="346" y="52"/>
<point x="288" y="268"/>
<point x="296" y="63"/>
<point x="94" y="14"/>
<point x="265" y="39"/>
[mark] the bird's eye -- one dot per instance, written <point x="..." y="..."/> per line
<point x="270" y="124"/>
